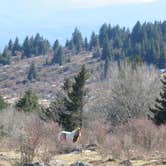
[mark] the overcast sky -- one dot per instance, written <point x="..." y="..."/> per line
<point x="58" y="18"/>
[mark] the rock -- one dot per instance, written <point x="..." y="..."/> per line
<point x="38" y="164"/>
<point x="126" y="163"/>
<point x="91" y="147"/>
<point x="59" y="163"/>
<point x="27" y="164"/>
<point x="79" y="163"/>
<point x="35" y="164"/>
<point x="75" y="151"/>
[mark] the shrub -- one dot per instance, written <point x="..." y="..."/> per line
<point x="28" y="103"/>
<point x="3" y="104"/>
<point x="137" y="138"/>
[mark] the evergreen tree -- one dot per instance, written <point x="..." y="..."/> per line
<point x="58" y="56"/>
<point x="28" y="103"/>
<point x="56" y="46"/>
<point x="27" y="47"/>
<point x="162" y="58"/>
<point x="5" y="57"/>
<point x="136" y="32"/>
<point x="71" y="45"/>
<point x="44" y="47"/>
<point x="67" y="85"/>
<point x="3" y="104"/>
<point x="55" y="110"/>
<point x="40" y="45"/>
<point x="10" y="45"/>
<point x="86" y="45"/>
<point x="74" y="101"/>
<point x="106" y="52"/>
<point x="160" y="107"/>
<point x="77" y="40"/>
<point x="16" y="46"/>
<point x="32" y="45"/>
<point x="103" y="34"/>
<point x="37" y="42"/>
<point x="32" y="73"/>
<point x="94" y="41"/>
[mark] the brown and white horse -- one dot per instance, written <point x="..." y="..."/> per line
<point x="70" y="137"/>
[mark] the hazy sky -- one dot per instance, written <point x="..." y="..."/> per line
<point x="58" y="18"/>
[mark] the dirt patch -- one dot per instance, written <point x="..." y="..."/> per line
<point x="4" y="163"/>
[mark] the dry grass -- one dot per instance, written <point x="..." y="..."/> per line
<point x="50" y="77"/>
<point x="89" y="157"/>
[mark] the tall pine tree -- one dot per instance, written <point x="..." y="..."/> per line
<point x="106" y="52"/>
<point x="16" y="46"/>
<point x="56" y="46"/>
<point x="10" y="45"/>
<point x="77" y="40"/>
<point x="26" y="47"/>
<point x="160" y="107"/>
<point x="75" y="100"/>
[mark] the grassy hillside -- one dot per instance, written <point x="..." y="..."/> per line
<point x="13" y="77"/>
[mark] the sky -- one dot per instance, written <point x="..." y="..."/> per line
<point x="56" y="19"/>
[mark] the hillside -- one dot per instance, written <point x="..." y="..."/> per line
<point x="13" y="77"/>
<point x="144" y="43"/>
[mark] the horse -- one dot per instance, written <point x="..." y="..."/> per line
<point x="70" y="137"/>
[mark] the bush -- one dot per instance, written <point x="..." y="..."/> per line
<point x="39" y="139"/>
<point x="137" y="138"/>
<point x="29" y="135"/>
<point x="3" y="104"/>
<point x="28" y="103"/>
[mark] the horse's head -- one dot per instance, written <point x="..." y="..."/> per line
<point x="77" y="134"/>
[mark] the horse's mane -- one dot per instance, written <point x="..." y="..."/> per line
<point x="76" y="135"/>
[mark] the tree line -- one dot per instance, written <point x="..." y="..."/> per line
<point x="146" y="42"/>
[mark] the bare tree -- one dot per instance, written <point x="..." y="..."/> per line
<point x="126" y="94"/>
